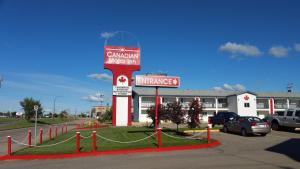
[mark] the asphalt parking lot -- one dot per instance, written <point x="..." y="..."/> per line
<point x="277" y="150"/>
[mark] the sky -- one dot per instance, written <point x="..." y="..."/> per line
<point x="53" y="50"/>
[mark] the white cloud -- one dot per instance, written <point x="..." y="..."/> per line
<point x="227" y="87"/>
<point x="297" y="47"/>
<point x="279" y="51"/>
<point x="47" y="83"/>
<point x="107" y="35"/>
<point x="102" y="76"/>
<point x="240" y="49"/>
<point x="98" y="97"/>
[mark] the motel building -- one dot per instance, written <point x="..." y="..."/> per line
<point x="246" y="103"/>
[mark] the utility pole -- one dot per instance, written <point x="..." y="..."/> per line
<point x="54" y="101"/>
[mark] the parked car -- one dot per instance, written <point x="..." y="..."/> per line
<point x="222" y="117"/>
<point x="289" y="119"/>
<point x="247" y="125"/>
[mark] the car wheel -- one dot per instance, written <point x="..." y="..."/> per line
<point x="264" y="134"/>
<point x="225" y="129"/>
<point x="275" y="126"/>
<point x="244" y="133"/>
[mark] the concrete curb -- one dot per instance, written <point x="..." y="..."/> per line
<point x="201" y="131"/>
<point x="214" y="143"/>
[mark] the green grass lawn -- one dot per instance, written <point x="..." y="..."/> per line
<point x="3" y="119"/>
<point x="120" y="134"/>
<point x="14" y="123"/>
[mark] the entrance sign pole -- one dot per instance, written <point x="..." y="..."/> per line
<point x="156" y="107"/>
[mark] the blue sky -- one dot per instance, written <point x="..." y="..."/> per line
<point x="55" y="48"/>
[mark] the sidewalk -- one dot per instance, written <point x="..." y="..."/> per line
<point x="21" y="135"/>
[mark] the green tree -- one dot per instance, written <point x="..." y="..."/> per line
<point x="28" y="107"/>
<point x="175" y="113"/>
<point x="193" y="114"/>
<point x="106" y="116"/>
<point x="63" y="114"/>
<point x="162" y="114"/>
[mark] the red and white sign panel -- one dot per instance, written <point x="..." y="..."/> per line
<point x="159" y="81"/>
<point x="120" y="55"/>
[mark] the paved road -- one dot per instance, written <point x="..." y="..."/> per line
<point x="235" y="152"/>
<point x="21" y="135"/>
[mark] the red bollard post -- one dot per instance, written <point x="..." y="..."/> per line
<point x="94" y="142"/>
<point x="8" y="145"/>
<point x="77" y="142"/>
<point x="50" y="133"/>
<point x="66" y="128"/>
<point x="159" y="141"/>
<point x="62" y="130"/>
<point x="55" y="131"/>
<point x="29" y="138"/>
<point x="41" y="136"/>
<point x="208" y="134"/>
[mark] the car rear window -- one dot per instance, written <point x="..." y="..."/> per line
<point x="289" y="113"/>
<point x="280" y="113"/>
<point x="297" y="113"/>
<point x="254" y="119"/>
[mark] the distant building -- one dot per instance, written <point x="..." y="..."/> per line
<point x="98" y="111"/>
<point x="213" y="101"/>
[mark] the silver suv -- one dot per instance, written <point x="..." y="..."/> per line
<point x="246" y="125"/>
<point x="289" y="119"/>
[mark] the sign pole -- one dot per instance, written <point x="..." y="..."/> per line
<point x="36" y="107"/>
<point x="156" y="107"/>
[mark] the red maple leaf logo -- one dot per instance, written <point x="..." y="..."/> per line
<point x="246" y="97"/>
<point x="122" y="79"/>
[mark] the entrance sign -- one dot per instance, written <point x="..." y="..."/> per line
<point x="157" y="81"/>
<point x="120" y="55"/>
<point x="160" y="81"/>
<point x="122" y="61"/>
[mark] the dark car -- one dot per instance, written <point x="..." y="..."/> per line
<point x="222" y="117"/>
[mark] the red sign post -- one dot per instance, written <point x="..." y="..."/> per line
<point x="157" y="81"/>
<point x="122" y="61"/>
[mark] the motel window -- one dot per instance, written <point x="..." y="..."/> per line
<point x="181" y="100"/>
<point x="246" y="104"/>
<point x="148" y="99"/>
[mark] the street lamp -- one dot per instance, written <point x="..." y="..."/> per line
<point x="36" y="108"/>
<point x="100" y="96"/>
<point x="55" y="97"/>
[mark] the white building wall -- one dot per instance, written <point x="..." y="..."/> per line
<point x="246" y="111"/>
<point x="143" y="117"/>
